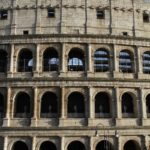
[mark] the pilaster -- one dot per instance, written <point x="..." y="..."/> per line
<point x="38" y="18"/>
<point x="13" y="25"/>
<point x="11" y="61"/>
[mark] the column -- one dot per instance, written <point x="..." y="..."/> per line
<point x="143" y="104"/>
<point x="62" y="146"/>
<point x="91" y="103"/>
<point x="118" y="103"/>
<point x="38" y="63"/>
<point x="90" y="64"/>
<point x="63" y="110"/>
<point x="119" y="146"/>
<point x="91" y="146"/>
<point x="6" y="143"/>
<point x="38" y="18"/>
<point x="34" y="143"/>
<point x="9" y="111"/>
<point x="63" y="60"/>
<point x="35" y="110"/>
<point x="115" y="59"/>
<point x="146" y="143"/>
<point x="138" y="60"/>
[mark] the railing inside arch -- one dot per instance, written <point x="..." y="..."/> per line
<point x="146" y="63"/>
<point x="25" y="65"/>
<point x="51" y="64"/>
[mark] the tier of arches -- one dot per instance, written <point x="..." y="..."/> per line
<point x="76" y="60"/>
<point x="76" y="105"/>
<point x="76" y="145"/>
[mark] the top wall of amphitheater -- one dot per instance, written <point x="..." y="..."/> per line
<point x="75" y="17"/>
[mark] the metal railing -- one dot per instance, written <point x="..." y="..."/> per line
<point x="25" y="65"/>
<point x="49" y="115"/>
<point x="76" y="115"/>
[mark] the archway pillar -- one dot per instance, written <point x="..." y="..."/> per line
<point x="5" y="143"/>
<point x="6" y="121"/>
<point x="115" y="59"/>
<point x="34" y="143"/>
<point x="90" y="66"/>
<point x="143" y="104"/>
<point x="62" y="144"/>
<point x="35" y="111"/>
<point x="91" y="106"/>
<point x="118" y="106"/>
<point x="37" y="64"/>
<point x="10" y="64"/>
<point x="139" y="61"/>
<point x="63" y="61"/>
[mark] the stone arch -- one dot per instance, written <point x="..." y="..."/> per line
<point x="76" y="60"/>
<point x="102" y="105"/>
<point x="146" y="62"/>
<point x="131" y="144"/>
<point x="50" y="59"/>
<point x="22" y="105"/>
<point x="19" y="145"/>
<point x="76" y="145"/>
<point x="25" y="60"/>
<point x="49" y="105"/>
<point x="3" y="61"/>
<point x="101" y="60"/>
<point x="104" y="145"/>
<point x="148" y="105"/>
<point x="47" y="145"/>
<point x="128" y="105"/>
<point x="76" y="105"/>
<point x="3" y="105"/>
<point x="126" y="61"/>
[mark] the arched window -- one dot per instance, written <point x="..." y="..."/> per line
<point x="2" y="106"/>
<point x="49" y="105"/>
<point x="101" y="60"/>
<point x="125" y="61"/>
<point x="47" y="145"/>
<point x="19" y="145"/>
<point x="148" y="105"/>
<point x="50" y="60"/>
<point x="76" y="106"/>
<point x="22" y="105"/>
<point x="131" y="145"/>
<point x="127" y="105"/>
<point x="104" y="145"/>
<point x="25" y="61"/>
<point x="3" y="61"/>
<point x="146" y="62"/>
<point x="76" y="145"/>
<point x="102" y="105"/>
<point x="76" y="60"/>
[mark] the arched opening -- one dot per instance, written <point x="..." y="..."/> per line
<point x="146" y="62"/>
<point x="148" y="105"/>
<point x="104" y="145"/>
<point x="76" y="60"/>
<point x="127" y="106"/>
<point x="101" y="60"/>
<point x="131" y="145"/>
<point x="2" y="106"/>
<point x="76" y="145"/>
<point x="102" y="105"/>
<point x="47" y="145"/>
<point x="49" y="105"/>
<point x="19" y="145"/>
<point x="126" y="61"/>
<point x="22" y="105"/>
<point x="50" y="60"/>
<point x="25" y="61"/>
<point x="3" y="61"/>
<point x="76" y="106"/>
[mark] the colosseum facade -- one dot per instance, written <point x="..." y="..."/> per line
<point x="75" y="74"/>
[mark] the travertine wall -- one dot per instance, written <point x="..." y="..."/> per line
<point x="75" y="17"/>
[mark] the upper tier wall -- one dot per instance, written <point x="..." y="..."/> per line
<point x="75" y="17"/>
